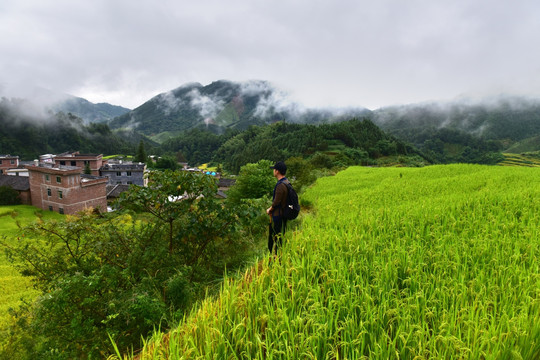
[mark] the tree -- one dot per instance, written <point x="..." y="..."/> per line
<point x="87" y="169"/>
<point x="123" y="273"/>
<point x="166" y="163"/>
<point x="141" y="154"/>
<point x="254" y="181"/>
<point x="9" y="196"/>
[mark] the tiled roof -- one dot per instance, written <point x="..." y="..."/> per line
<point x="226" y="182"/>
<point x="19" y="183"/>
<point x="115" y="167"/>
<point x="115" y="190"/>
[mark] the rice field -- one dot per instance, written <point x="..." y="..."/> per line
<point x="440" y="262"/>
<point x="527" y="159"/>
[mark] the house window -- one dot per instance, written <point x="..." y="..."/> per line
<point x="118" y="173"/>
<point x="130" y="182"/>
<point x="0" y="162"/>
<point x="62" y="163"/>
<point x="60" y="195"/>
<point x="59" y="179"/>
<point x="73" y="163"/>
<point x="48" y="192"/>
<point x="50" y="208"/>
<point x="128" y="173"/>
<point x="61" y="210"/>
<point x="47" y="177"/>
<point x="12" y="162"/>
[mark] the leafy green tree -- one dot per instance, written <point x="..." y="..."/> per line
<point x="254" y="181"/>
<point x="141" y="154"/>
<point x="300" y="172"/>
<point x="87" y="169"/>
<point x="8" y="196"/>
<point x="166" y="163"/>
<point x="123" y="273"/>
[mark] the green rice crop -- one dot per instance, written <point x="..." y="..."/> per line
<point x="440" y="262"/>
<point x="527" y="159"/>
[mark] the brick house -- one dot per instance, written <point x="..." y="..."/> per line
<point x="8" y="162"/>
<point x="64" y="189"/>
<point x="125" y="173"/>
<point x="19" y="183"/>
<point x="80" y="160"/>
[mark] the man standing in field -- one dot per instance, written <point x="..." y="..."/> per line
<point x="279" y="200"/>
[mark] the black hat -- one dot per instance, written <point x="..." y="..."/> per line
<point x="280" y="166"/>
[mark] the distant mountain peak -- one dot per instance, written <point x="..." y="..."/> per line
<point x="220" y="105"/>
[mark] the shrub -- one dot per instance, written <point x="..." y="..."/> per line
<point x="9" y="196"/>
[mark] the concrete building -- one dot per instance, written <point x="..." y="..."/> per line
<point x="125" y="173"/>
<point x="95" y="161"/>
<point x="64" y="189"/>
<point x="8" y="162"/>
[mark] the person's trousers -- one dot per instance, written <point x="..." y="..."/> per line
<point x="276" y="229"/>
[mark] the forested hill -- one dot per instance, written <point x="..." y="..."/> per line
<point x="452" y="131"/>
<point x="338" y="144"/>
<point x="223" y="105"/>
<point x="90" y="112"/>
<point x="29" y="134"/>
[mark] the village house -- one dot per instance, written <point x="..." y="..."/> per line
<point x="124" y="173"/>
<point x="64" y="189"/>
<point x="8" y="162"/>
<point x="94" y="161"/>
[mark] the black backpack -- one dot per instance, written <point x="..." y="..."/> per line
<point x="293" y="207"/>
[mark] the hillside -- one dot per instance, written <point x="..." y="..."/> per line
<point x="222" y="105"/>
<point x="433" y="262"/>
<point x="28" y="133"/>
<point x="88" y="111"/>
<point x="337" y="144"/>
<point x="454" y="130"/>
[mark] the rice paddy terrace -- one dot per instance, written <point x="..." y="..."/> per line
<point x="440" y="262"/>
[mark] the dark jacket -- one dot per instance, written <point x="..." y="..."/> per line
<point x="279" y="200"/>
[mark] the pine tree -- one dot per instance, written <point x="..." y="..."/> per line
<point x="141" y="154"/>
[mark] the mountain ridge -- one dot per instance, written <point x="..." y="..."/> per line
<point x="221" y="105"/>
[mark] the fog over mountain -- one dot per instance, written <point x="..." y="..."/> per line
<point x="39" y="103"/>
<point x="224" y="104"/>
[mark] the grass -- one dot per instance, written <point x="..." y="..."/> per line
<point x="13" y="286"/>
<point x="440" y="262"/>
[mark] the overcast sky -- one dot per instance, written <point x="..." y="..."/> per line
<point x="325" y="53"/>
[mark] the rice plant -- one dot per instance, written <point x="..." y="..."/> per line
<point x="439" y="262"/>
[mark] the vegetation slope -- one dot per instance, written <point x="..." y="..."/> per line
<point x="28" y="133"/>
<point x="13" y="286"/>
<point x="434" y="262"/>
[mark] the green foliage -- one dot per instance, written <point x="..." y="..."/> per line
<point x="166" y="163"/>
<point x="254" y="181"/>
<point x="352" y="142"/>
<point x="9" y="196"/>
<point x="87" y="169"/>
<point x="196" y="146"/>
<point x="29" y="137"/>
<point x="300" y="173"/>
<point x="141" y="154"/>
<point x="126" y="273"/>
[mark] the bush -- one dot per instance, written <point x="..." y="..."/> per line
<point x="254" y="181"/>
<point x="8" y="196"/>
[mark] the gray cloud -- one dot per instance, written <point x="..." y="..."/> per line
<point x="324" y="53"/>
